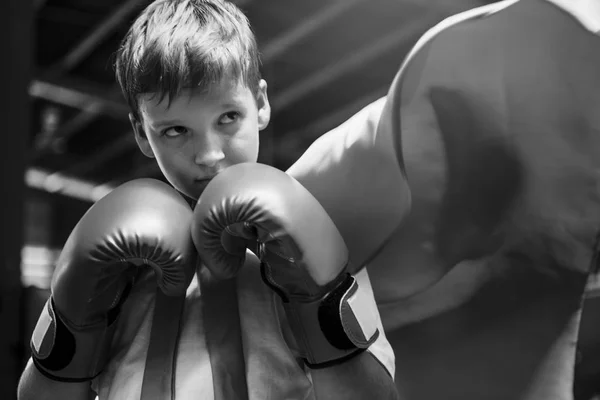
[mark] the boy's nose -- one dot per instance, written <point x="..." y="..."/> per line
<point x="209" y="151"/>
<point x="209" y="158"/>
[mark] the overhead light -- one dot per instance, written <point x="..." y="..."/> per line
<point x="53" y="182"/>
<point x="37" y="265"/>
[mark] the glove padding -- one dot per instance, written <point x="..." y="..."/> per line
<point x="141" y="223"/>
<point x="303" y="257"/>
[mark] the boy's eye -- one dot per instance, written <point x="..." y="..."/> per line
<point x="229" y="117"/>
<point x="175" y="131"/>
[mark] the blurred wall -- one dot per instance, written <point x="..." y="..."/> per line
<point x="15" y="72"/>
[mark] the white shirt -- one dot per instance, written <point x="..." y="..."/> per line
<point x="585" y="11"/>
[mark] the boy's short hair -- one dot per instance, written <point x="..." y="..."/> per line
<point x="183" y="44"/>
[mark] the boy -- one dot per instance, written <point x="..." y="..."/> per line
<point x="189" y="72"/>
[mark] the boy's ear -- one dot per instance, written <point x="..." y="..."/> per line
<point x="140" y="137"/>
<point x="264" y="108"/>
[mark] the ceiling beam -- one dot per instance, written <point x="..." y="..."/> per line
<point x="97" y="36"/>
<point x="282" y="43"/>
<point x="354" y="61"/>
<point x="50" y="182"/>
<point x="78" y="98"/>
<point x="362" y="56"/>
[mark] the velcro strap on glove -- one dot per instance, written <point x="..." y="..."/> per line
<point x="335" y="327"/>
<point x="68" y="354"/>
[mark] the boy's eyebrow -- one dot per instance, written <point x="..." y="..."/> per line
<point x="167" y="122"/>
<point x="232" y="104"/>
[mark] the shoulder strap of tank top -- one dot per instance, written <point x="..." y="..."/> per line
<point x="159" y="372"/>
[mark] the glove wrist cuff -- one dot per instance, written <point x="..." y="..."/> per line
<point x="335" y="327"/>
<point x="64" y="353"/>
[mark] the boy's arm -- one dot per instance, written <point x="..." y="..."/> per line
<point x="35" y="386"/>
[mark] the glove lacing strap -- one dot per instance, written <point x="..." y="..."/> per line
<point x="161" y="359"/>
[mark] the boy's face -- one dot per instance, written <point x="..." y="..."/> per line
<point x="201" y="133"/>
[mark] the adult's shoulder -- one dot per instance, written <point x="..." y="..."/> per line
<point x="354" y="172"/>
<point x="460" y="40"/>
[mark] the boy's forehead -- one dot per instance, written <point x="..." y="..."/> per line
<point x="221" y="92"/>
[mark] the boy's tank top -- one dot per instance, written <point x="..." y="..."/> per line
<point x="272" y="370"/>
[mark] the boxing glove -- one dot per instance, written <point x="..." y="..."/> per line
<point x="143" y="223"/>
<point x="303" y="257"/>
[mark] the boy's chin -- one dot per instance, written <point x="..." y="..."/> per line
<point x="190" y="194"/>
<point x="194" y="190"/>
<point x="191" y="189"/>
